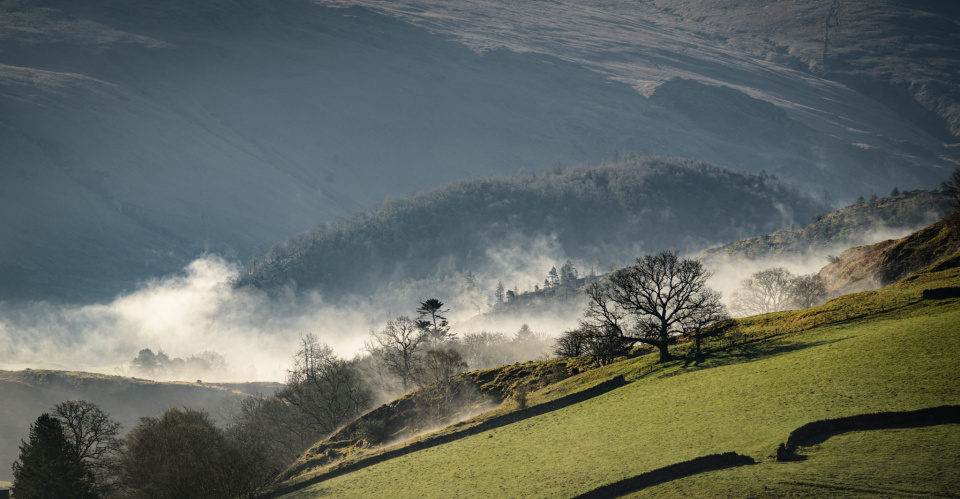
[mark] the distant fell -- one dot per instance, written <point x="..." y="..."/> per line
<point x="854" y="225"/>
<point x="610" y="213"/>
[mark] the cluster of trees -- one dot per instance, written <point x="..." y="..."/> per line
<point x="663" y="296"/>
<point x="776" y="289"/>
<point x="72" y="452"/>
<point x="619" y="203"/>
<point x="159" y="365"/>
<point x="650" y="302"/>
<point x="399" y="351"/>
<point x="564" y="284"/>
<point x="76" y="452"/>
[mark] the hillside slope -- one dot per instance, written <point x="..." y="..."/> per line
<point x="889" y="57"/>
<point x="904" y="55"/>
<point x="883" y="350"/>
<point x="867" y="267"/>
<point x="137" y="135"/>
<point x="854" y="225"/>
<point x="609" y="213"/>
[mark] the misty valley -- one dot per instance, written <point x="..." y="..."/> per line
<point x="359" y="248"/>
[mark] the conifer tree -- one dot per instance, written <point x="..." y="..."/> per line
<point x="49" y="467"/>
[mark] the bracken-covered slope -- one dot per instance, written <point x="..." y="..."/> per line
<point x="137" y="134"/>
<point x="610" y="213"/>
<point x="892" y="349"/>
<point x="867" y="267"/>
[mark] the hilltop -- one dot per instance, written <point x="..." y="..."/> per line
<point x="138" y="135"/>
<point x="892" y="349"/>
<point x="607" y="213"/>
<point x="30" y="392"/>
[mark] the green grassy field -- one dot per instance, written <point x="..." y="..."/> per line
<point x="878" y="351"/>
<point x="909" y="462"/>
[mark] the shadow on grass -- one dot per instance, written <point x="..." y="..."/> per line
<point x="817" y="432"/>
<point x="746" y="352"/>
<point x="668" y="473"/>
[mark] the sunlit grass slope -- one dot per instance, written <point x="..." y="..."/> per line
<point x="905" y="462"/>
<point x="878" y="351"/>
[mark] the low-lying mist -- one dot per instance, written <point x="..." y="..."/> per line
<point x="197" y="312"/>
<point x="729" y="272"/>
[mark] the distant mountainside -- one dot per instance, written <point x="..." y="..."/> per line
<point x="27" y="394"/>
<point x="609" y="213"/>
<point x="868" y="267"/>
<point x="136" y="135"/>
<point x="854" y="225"/>
<point x="905" y="55"/>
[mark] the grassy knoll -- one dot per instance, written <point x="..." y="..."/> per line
<point x="878" y="351"/>
<point x="905" y="462"/>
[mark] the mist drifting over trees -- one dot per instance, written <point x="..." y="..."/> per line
<point x="604" y="213"/>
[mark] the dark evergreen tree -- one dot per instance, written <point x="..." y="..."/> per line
<point x="49" y="466"/>
<point x="432" y="321"/>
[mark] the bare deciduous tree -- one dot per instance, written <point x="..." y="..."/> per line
<point x="273" y="430"/>
<point x="952" y="187"/>
<point x="323" y="387"/>
<point x="707" y="310"/>
<point x="435" y="375"/>
<point x="648" y="302"/>
<point x="763" y="292"/>
<point x="439" y="366"/>
<point x="807" y="291"/>
<point x="571" y="343"/>
<point x="398" y="346"/>
<point x="95" y="438"/>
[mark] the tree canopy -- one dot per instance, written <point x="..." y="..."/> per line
<point x="660" y="296"/>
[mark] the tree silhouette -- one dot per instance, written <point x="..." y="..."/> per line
<point x="95" y="439"/>
<point x="651" y="301"/>
<point x="398" y="347"/>
<point x="49" y="466"/>
<point x="432" y="321"/>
